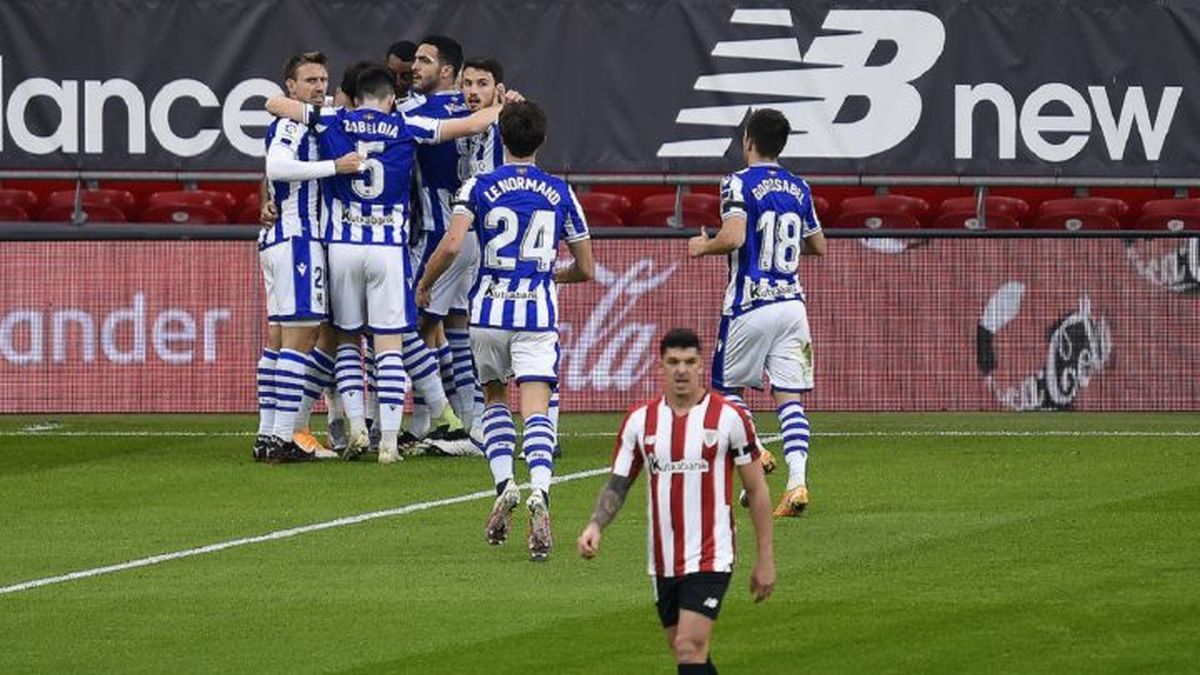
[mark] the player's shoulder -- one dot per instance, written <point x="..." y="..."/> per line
<point x="636" y="413"/>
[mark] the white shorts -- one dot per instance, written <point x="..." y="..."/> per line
<point x="295" y="276"/>
<point x="452" y="292"/>
<point x="773" y="340"/>
<point x="369" y="288"/>
<point x="532" y="356"/>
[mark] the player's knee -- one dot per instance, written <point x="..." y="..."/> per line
<point x="690" y="648"/>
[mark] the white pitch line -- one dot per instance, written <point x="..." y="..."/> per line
<point x="605" y="434"/>
<point x="273" y="536"/>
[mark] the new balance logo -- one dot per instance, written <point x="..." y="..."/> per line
<point x="711" y="603"/>
<point x="827" y="85"/>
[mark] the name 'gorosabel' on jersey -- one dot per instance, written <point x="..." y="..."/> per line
<point x="779" y="216"/>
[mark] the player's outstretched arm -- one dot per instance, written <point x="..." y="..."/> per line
<point x="282" y="106"/>
<point x="477" y="122"/>
<point x="731" y="235"/>
<point x="608" y="504"/>
<point x="814" y="244"/>
<point x="582" y="269"/>
<point x="762" y="578"/>
<point x="439" y="262"/>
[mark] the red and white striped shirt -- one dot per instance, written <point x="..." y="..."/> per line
<point x="691" y="459"/>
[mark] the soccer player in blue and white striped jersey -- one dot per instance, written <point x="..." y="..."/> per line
<point x="367" y="229"/>
<point x="293" y="262"/>
<point x="482" y="83"/>
<point x="767" y="223"/>
<point x="519" y="214"/>
<point x="443" y="324"/>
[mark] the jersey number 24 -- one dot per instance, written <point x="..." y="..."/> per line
<point x="537" y="244"/>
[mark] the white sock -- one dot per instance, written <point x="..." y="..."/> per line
<point x="538" y="444"/>
<point x="499" y="439"/>
<point x="289" y="391"/>
<point x="391" y="394"/>
<point x="350" y="384"/>
<point x="422" y="367"/>
<point x="266" y="391"/>
<point x="793" y="423"/>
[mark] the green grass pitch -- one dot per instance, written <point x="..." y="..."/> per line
<point x="928" y="549"/>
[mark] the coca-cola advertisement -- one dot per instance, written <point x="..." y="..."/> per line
<point x="917" y="324"/>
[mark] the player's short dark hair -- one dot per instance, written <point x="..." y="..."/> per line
<point x="522" y="127"/>
<point x="769" y="130"/>
<point x="679" y="338"/>
<point x="490" y="65"/>
<point x="405" y="50"/>
<point x="376" y="82"/>
<point x="294" y="63"/>
<point x="349" y="85"/>
<point x="450" y="53"/>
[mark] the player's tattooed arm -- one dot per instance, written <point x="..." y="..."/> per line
<point x="611" y="499"/>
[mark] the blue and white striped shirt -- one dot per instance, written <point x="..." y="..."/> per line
<point x="298" y="203"/>
<point x="371" y="207"/>
<point x="484" y="153"/>
<point x="439" y="174"/>
<point x="779" y="215"/>
<point x="520" y="213"/>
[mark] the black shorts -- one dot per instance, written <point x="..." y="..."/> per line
<point x="700" y="592"/>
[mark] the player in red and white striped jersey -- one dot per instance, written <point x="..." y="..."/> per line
<point x="691" y="441"/>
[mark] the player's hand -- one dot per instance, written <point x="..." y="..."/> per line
<point x="589" y="541"/>
<point x="267" y="214"/>
<point x="511" y="96"/>
<point x="423" y="296"/>
<point x="697" y="244"/>
<point x="351" y="162"/>
<point x="762" y="579"/>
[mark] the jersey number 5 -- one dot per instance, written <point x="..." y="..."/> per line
<point x="537" y="244"/>
<point x="371" y="186"/>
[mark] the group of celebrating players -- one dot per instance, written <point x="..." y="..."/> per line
<point x="416" y="187"/>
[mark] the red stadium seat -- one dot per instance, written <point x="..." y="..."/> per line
<point x="119" y="199"/>
<point x="221" y="201"/>
<point x="1003" y="213"/>
<point x="190" y="214"/>
<point x="1033" y="196"/>
<point x="882" y="212"/>
<point x="93" y="213"/>
<point x="822" y="207"/>
<point x="691" y="202"/>
<point x="1170" y="214"/>
<point x="691" y="218"/>
<point x="602" y="218"/>
<point x="251" y="207"/>
<point x="26" y="200"/>
<point x="1081" y="213"/>
<point x="12" y="213"/>
<point x="606" y="201"/>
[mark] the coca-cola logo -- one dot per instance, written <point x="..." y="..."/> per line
<point x="1078" y="347"/>
<point x="609" y="351"/>
<point x="1175" y="266"/>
